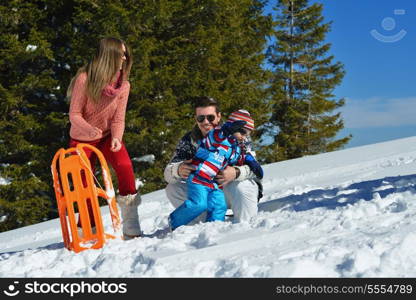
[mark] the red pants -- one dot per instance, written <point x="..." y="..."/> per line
<point x="120" y="161"/>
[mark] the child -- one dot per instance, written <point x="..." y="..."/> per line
<point x="247" y="155"/>
<point x="243" y="141"/>
<point x="217" y="150"/>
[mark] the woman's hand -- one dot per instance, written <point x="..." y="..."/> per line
<point x="115" y="145"/>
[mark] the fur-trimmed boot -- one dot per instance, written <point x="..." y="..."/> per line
<point x="130" y="218"/>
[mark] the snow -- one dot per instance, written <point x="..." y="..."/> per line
<point x="4" y="181"/>
<point x="31" y="48"/>
<point x="149" y="158"/>
<point x="348" y="213"/>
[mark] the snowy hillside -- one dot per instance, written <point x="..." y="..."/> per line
<point x="349" y="213"/>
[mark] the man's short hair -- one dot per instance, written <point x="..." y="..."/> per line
<point x="204" y="101"/>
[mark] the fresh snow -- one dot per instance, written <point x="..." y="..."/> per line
<point x="4" y="181"/>
<point x="149" y="158"/>
<point x="31" y="48"/>
<point x="348" y="213"/>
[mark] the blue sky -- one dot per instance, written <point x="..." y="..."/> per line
<point x="376" y="42"/>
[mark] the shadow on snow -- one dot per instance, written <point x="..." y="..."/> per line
<point x="342" y="196"/>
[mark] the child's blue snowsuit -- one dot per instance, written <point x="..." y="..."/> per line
<point x="215" y="152"/>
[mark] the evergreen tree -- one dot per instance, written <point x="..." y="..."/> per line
<point x="304" y="77"/>
<point x="30" y="127"/>
<point x="194" y="48"/>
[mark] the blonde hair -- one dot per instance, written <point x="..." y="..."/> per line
<point x="103" y="67"/>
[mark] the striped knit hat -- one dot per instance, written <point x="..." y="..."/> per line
<point x="244" y="115"/>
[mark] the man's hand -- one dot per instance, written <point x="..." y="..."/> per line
<point x="115" y="145"/>
<point x="185" y="168"/>
<point x="226" y="176"/>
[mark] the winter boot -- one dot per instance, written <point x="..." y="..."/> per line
<point x="130" y="218"/>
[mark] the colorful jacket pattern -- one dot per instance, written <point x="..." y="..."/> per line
<point x="214" y="153"/>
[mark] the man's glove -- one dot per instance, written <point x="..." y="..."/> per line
<point x="254" y="165"/>
<point x="231" y="127"/>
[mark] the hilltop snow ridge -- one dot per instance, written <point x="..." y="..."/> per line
<point x="348" y="213"/>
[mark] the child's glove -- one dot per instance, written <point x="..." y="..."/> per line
<point x="231" y="127"/>
<point x="254" y="165"/>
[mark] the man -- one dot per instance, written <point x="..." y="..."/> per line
<point x="239" y="182"/>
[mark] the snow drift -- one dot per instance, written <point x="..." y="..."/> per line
<point x="348" y="213"/>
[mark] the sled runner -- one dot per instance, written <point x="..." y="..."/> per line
<point x="74" y="185"/>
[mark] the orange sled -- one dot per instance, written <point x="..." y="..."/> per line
<point x="73" y="181"/>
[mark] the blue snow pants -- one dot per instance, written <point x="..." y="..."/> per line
<point x="200" y="198"/>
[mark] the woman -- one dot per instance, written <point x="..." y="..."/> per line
<point x="99" y="94"/>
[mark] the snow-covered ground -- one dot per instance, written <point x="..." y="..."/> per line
<point x="349" y="213"/>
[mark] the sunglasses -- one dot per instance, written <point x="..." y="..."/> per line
<point x="201" y="118"/>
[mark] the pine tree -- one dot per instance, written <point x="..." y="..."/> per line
<point x="194" y="48"/>
<point x="29" y="125"/>
<point x="304" y="78"/>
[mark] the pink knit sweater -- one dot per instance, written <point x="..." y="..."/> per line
<point x="108" y="114"/>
